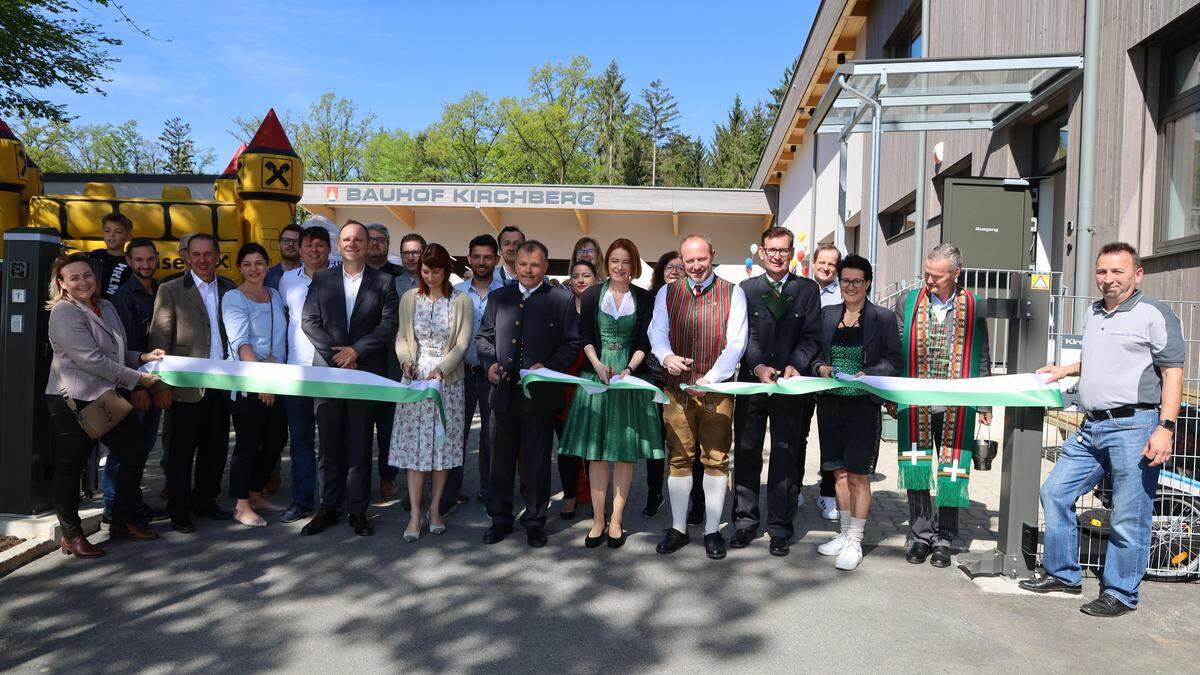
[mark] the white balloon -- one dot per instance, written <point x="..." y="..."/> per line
<point x="753" y="249"/>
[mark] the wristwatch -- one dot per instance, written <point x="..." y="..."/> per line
<point x="1169" y="425"/>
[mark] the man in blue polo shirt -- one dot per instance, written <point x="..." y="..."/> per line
<point x="1130" y="387"/>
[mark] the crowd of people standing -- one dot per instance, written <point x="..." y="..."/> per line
<point x="408" y="322"/>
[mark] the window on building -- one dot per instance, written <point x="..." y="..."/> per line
<point x="1179" y="185"/>
<point x="905" y="42"/>
<point x="899" y="220"/>
<point x="1050" y="143"/>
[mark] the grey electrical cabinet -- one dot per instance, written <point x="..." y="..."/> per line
<point x="990" y="223"/>
<point x="25" y="436"/>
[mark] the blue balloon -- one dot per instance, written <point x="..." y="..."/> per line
<point x="749" y="262"/>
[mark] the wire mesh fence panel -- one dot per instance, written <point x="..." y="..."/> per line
<point x="1175" y="531"/>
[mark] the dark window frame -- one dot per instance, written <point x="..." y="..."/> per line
<point x="908" y="29"/>
<point x="1171" y="110"/>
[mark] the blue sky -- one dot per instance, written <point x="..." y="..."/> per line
<point x="211" y="61"/>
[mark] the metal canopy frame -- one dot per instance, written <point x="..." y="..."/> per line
<point x="930" y="95"/>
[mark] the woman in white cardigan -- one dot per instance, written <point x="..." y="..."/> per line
<point x="435" y="326"/>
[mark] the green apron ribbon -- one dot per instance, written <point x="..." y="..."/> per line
<point x="592" y="387"/>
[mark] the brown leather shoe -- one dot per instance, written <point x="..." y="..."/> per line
<point x="272" y="483"/>
<point x="132" y="532"/>
<point x="387" y="488"/>
<point x="79" y="547"/>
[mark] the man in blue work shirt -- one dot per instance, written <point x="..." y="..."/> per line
<point x="1130" y="388"/>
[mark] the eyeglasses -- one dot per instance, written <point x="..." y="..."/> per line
<point x="289" y="241"/>
<point x="379" y="240"/>
<point x="777" y="252"/>
<point x="675" y="268"/>
<point x="411" y="254"/>
<point x="853" y="283"/>
<point x="587" y="249"/>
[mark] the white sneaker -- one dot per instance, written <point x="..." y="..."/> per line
<point x="833" y="546"/>
<point x="828" y="507"/>
<point x="850" y="556"/>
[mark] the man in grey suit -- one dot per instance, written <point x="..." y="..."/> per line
<point x="187" y="322"/>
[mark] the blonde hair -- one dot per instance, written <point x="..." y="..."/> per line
<point x="56" y="292"/>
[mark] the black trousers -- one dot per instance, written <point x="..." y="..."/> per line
<point x="477" y="392"/>
<point x="383" y="419"/>
<point x="935" y="529"/>
<point x="261" y="432"/>
<point x="72" y="448"/>
<point x="344" y="432"/>
<point x="750" y="417"/>
<point x="527" y="433"/>
<point x="199" y="443"/>
<point x="808" y="405"/>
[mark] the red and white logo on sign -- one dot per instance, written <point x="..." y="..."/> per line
<point x="331" y="193"/>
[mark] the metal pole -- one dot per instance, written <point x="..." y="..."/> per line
<point x="919" y="215"/>
<point x="1087" y="153"/>
<point x="839" y="234"/>
<point x="812" y="190"/>
<point x="873" y="202"/>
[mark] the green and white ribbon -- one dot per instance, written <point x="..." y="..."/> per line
<point x="293" y="380"/>
<point x="1022" y="390"/>
<point x="592" y="387"/>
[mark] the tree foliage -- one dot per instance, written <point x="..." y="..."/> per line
<point x="657" y="115"/>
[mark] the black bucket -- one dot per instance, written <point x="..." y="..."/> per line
<point x="985" y="452"/>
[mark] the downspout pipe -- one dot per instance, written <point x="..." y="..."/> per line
<point x="922" y="164"/>
<point x="1087" y="154"/>
<point x="872" y="208"/>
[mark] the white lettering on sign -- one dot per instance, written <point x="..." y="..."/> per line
<point x="987" y="229"/>
<point x="467" y="196"/>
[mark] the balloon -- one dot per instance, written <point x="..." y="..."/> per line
<point x="753" y="249"/>
<point x="749" y="262"/>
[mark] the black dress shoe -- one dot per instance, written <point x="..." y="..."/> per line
<point x="536" y="537"/>
<point x="714" y="545"/>
<point x="295" y="512"/>
<point x="324" y="518"/>
<point x="213" y="512"/>
<point x="567" y="515"/>
<point x="496" y="533"/>
<point x="741" y="538"/>
<point x="148" y="513"/>
<point x="672" y="541"/>
<point x="183" y="525"/>
<point x="918" y="551"/>
<point x="695" y="516"/>
<point x="940" y="557"/>
<point x="653" y="504"/>
<point x="779" y="546"/>
<point x="1106" y="606"/>
<point x="358" y="521"/>
<point x="1049" y="584"/>
<point x="594" y="542"/>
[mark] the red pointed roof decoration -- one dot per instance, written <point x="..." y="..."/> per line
<point x="231" y="169"/>
<point x="5" y="132"/>
<point x="270" y="136"/>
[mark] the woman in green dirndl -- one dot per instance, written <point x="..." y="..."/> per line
<point x="616" y="426"/>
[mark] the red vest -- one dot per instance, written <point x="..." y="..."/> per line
<point x="697" y="327"/>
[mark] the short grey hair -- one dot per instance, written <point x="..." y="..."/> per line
<point x="696" y="235"/>
<point x="381" y="228"/>
<point x="948" y="252"/>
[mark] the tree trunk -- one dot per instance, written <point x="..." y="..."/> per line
<point x="653" y="163"/>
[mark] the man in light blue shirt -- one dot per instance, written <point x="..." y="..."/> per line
<point x="482" y="256"/>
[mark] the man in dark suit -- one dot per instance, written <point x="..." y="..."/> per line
<point x="350" y="318"/>
<point x="527" y="325"/>
<point x="187" y="322"/>
<point x="784" y="316"/>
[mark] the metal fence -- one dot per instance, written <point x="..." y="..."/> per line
<point x="1175" y="532"/>
<point x="1175" y="547"/>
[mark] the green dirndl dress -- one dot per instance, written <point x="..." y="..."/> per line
<point x="615" y="426"/>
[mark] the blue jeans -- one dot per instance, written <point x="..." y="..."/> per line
<point x="1100" y="448"/>
<point x="147" y="421"/>
<point x="302" y="428"/>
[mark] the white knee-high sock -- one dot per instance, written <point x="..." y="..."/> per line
<point x="855" y="531"/>
<point x="714" y="502"/>
<point x="679" y="489"/>
<point x="844" y="516"/>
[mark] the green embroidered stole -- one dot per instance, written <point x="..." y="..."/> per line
<point x="925" y="357"/>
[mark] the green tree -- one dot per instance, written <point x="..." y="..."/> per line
<point x="555" y="124"/>
<point x="683" y="162"/>
<point x="398" y="156"/>
<point x="47" y="142"/>
<point x="657" y="114"/>
<point x="43" y="44"/>
<point x="738" y="144"/>
<point x="612" y="103"/>
<point x="180" y="155"/>
<point x="635" y="165"/>
<point x="780" y="91"/>
<point x="462" y="142"/>
<point x="331" y="139"/>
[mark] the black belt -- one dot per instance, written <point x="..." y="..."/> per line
<point x="475" y="370"/>
<point x="1117" y="413"/>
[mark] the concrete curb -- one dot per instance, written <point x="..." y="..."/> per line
<point x="23" y="554"/>
<point x="41" y="534"/>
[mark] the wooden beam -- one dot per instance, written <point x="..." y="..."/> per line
<point x="861" y="9"/>
<point x="796" y="137"/>
<point x="404" y="214"/>
<point x="767" y="220"/>
<point x="846" y="44"/>
<point x="492" y="215"/>
<point x="582" y="216"/>
<point x="323" y="211"/>
<point x="675" y="223"/>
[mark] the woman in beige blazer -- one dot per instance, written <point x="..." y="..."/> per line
<point x="435" y="328"/>
<point x="89" y="359"/>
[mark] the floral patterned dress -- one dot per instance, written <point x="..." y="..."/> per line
<point x="414" y="432"/>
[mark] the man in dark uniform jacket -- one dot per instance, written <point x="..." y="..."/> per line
<point x="784" y="316"/>
<point x="527" y="325"/>
<point x="350" y="316"/>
